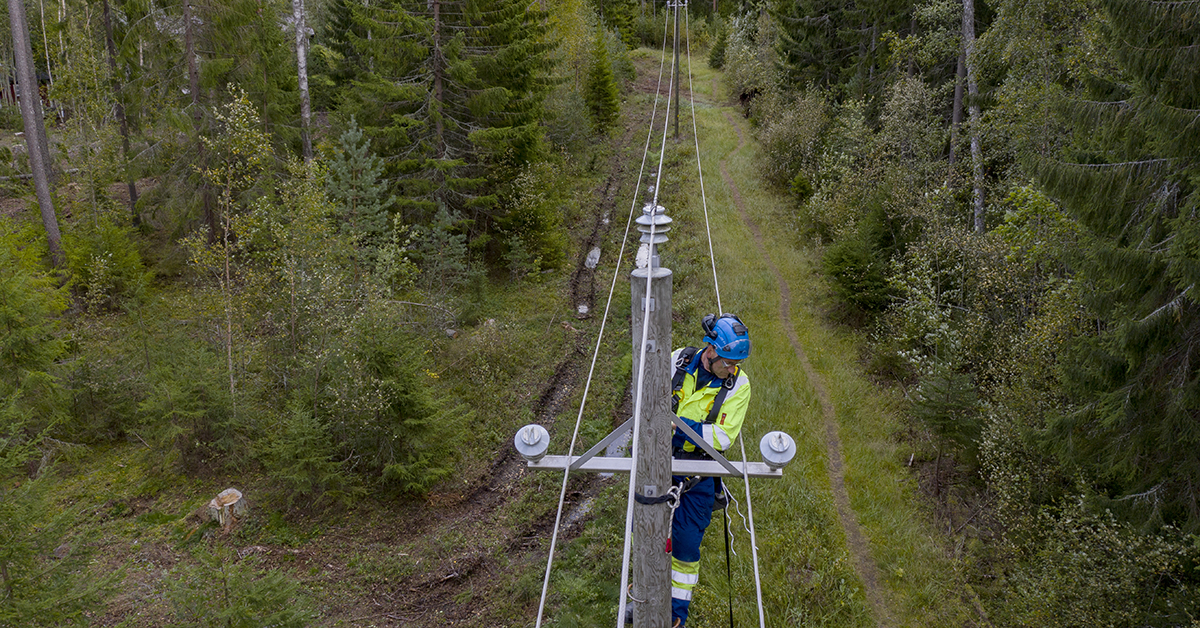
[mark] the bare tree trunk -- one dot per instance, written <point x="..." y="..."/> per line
<point x="302" y="75"/>
<point x="956" y="118"/>
<point x="35" y="127"/>
<point x="437" y="78"/>
<point x="189" y="47"/>
<point x="973" y="108"/>
<point x="120" y="110"/>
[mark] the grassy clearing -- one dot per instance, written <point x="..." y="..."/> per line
<point x="807" y="576"/>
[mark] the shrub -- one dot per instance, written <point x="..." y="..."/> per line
<point x="1079" y="569"/>
<point x="532" y="228"/>
<point x="857" y="273"/>
<point x="104" y="263"/>
<point x="791" y="134"/>
<point x="716" y="54"/>
<point x="381" y="412"/>
<point x="300" y="455"/>
<point x="221" y="591"/>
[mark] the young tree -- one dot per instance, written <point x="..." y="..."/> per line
<point x="601" y="87"/>
<point x="119" y="110"/>
<point x="355" y="187"/>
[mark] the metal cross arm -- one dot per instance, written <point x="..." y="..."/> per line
<point x="532" y="441"/>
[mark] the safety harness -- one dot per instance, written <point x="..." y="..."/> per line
<point x="686" y="355"/>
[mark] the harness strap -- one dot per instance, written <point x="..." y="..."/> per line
<point x="716" y="407"/>
<point x="686" y="355"/>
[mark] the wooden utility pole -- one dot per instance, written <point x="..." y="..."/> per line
<point x="676" y="82"/>
<point x="650" y="564"/>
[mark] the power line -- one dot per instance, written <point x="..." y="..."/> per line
<point x="596" y="352"/>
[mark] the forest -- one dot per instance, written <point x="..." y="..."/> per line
<point x="318" y="250"/>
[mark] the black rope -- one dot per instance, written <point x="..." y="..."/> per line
<point x="728" y="569"/>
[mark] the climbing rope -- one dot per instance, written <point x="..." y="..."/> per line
<point x="596" y="352"/>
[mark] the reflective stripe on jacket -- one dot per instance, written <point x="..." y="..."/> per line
<point x="694" y="406"/>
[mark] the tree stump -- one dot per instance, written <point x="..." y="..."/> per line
<point x="227" y="506"/>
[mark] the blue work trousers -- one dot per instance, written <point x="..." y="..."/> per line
<point x="687" y="531"/>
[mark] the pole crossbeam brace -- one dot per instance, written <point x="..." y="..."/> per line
<point x="580" y="462"/>
<point x="602" y="445"/>
<point x="603" y="464"/>
<point x="706" y="446"/>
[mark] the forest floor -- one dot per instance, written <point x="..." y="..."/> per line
<point x="844" y="539"/>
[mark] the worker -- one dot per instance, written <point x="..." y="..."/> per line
<point x="711" y="395"/>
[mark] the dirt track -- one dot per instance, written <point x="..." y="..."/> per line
<point x="857" y="544"/>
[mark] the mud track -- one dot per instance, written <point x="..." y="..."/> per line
<point x="856" y="541"/>
<point x="434" y="598"/>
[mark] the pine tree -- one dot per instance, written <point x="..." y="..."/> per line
<point x="1133" y="186"/>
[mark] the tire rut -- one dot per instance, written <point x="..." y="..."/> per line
<point x="856" y="541"/>
<point x="476" y="571"/>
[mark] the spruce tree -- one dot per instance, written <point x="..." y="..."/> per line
<point x="1131" y="181"/>
<point x="355" y="187"/>
<point x="601" y="87"/>
<point x="453" y="99"/>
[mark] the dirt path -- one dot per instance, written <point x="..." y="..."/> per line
<point x="858" y="545"/>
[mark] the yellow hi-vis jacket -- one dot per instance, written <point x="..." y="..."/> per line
<point x="694" y="406"/>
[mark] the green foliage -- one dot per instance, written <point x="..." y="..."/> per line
<point x="29" y="344"/>
<point x="600" y="90"/>
<point x="858" y="275"/>
<point x="716" y="54"/>
<point x="187" y="411"/>
<point x="443" y="254"/>
<point x="532" y="229"/>
<point x="749" y="58"/>
<point x="792" y="132"/>
<point x="1130" y="181"/>
<point x="43" y="565"/>
<point x="361" y="198"/>
<point x="946" y="401"/>
<point x="381" y="410"/>
<point x="453" y="126"/>
<point x="1087" y="569"/>
<point x="105" y="263"/>
<point x="220" y="590"/>
<point x="841" y="49"/>
<point x="300" y="455"/>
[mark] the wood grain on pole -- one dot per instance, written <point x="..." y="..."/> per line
<point x="650" y="564"/>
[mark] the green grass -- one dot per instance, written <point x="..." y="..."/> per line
<point x="808" y="577"/>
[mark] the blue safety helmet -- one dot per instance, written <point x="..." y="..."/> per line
<point x="728" y="335"/>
